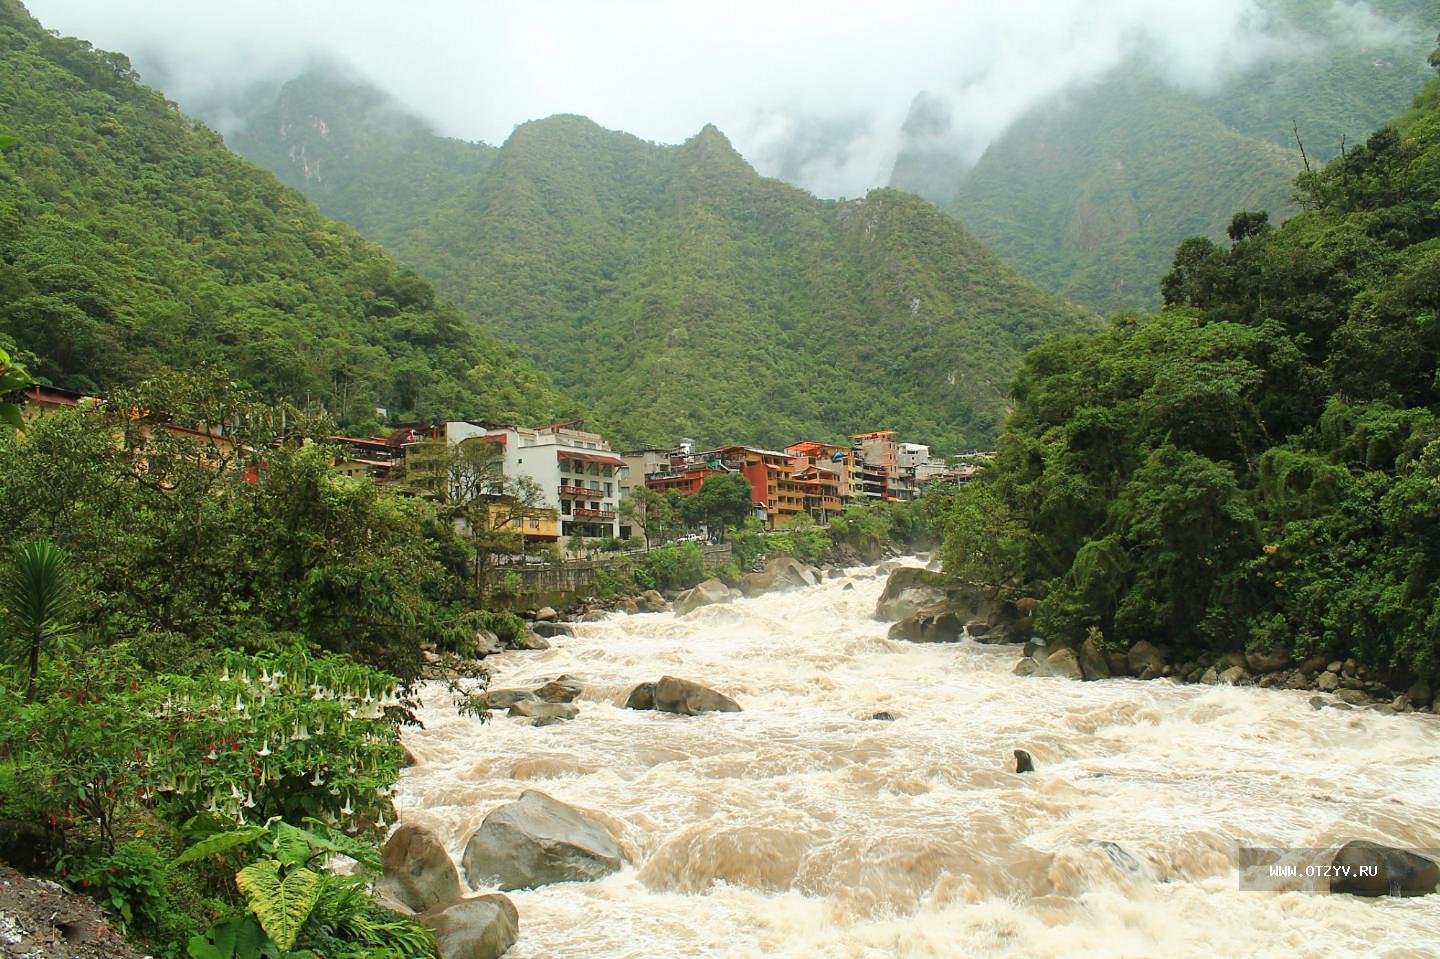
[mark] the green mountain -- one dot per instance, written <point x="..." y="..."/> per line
<point x="673" y="289"/>
<point x="132" y="239"/>
<point x="1089" y="193"/>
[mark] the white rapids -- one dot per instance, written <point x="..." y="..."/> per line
<point x="803" y="828"/>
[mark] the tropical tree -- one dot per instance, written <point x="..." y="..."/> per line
<point x="722" y="500"/>
<point x="38" y="597"/>
<point x="12" y="378"/>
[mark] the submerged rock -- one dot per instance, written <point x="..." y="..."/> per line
<point x="641" y="697"/>
<point x="536" y="841"/>
<point x="505" y="698"/>
<point x="535" y="709"/>
<point x="1023" y="762"/>
<point x="549" y="630"/>
<point x="416" y="869"/>
<point x="934" y="625"/>
<point x="477" y="927"/>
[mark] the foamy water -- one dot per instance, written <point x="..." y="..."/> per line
<point x="802" y="828"/>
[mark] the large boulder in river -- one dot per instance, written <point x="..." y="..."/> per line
<point x="1369" y="869"/>
<point x="937" y="624"/>
<point x="1145" y="660"/>
<point x="1063" y="663"/>
<point x="550" y="630"/>
<point x="707" y="593"/>
<point x="566" y="689"/>
<point x="535" y="709"/>
<point x="779" y="572"/>
<point x="651" y="601"/>
<point x="1093" y="664"/>
<point x="416" y="869"/>
<point x="538" y="840"/>
<point x="685" y="698"/>
<point x="505" y="698"/>
<point x="907" y="592"/>
<point x="477" y="927"/>
<point x="641" y="697"/>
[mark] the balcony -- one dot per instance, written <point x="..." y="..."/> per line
<point x="598" y="515"/>
<point x="566" y="490"/>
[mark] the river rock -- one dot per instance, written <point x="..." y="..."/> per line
<point x="685" y="698"/>
<point x="536" y="841"/>
<point x="1023" y="762"/>
<point x="1312" y="665"/>
<point x="651" y="601"/>
<point x="416" y="869"/>
<point x="848" y="586"/>
<point x="1328" y="682"/>
<point x="1271" y="661"/>
<point x="528" y="639"/>
<point x="505" y="698"/>
<point x="883" y="716"/>
<point x="546" y="614"/>
<point x="1419" y="694"/>
<point x="477" y="927"/>
<point x="550" y="630"/>
<point x="486" y="643"/>
<point x="1234" y="676"/>
<point x="907" y="592"/>
<point x="641" y="697"/>
<point x="566" y="689"/>
<point x="1063" y="663"/>
<point x="779" y="572"/>
<point x="707" y="593"/>
<point x="1145" y="660"/>
<point x="934" y="625"/>
<point x="534" y="709"/>
<point x="629" y="606"/>
<point x="1389" y="871"/>
<point x="1093" y="664"/>
<point x="1026" y="666"/>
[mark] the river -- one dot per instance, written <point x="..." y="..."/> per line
<point x="803" y="828"/>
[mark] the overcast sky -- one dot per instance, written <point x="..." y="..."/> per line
<point x="815" y="90"/>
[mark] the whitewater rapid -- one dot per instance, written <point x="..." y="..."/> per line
<point x="803" y="828"/>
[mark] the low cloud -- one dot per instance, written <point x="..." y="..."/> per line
<point x="824" y="93"/>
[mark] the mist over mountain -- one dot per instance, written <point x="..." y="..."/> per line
<point x="1090" y="192"/>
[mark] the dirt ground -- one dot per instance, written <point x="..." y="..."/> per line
<point x="40" y="920"/>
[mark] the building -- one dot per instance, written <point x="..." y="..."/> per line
<point x="372" y="458"/>
<point x="576" y="473"/>
<point x="878" y="457"/>
<point x="830" y="476"/>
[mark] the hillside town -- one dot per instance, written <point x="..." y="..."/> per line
<point x="581" y="481"/>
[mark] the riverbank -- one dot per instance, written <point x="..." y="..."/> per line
<point x="803" y="827"/>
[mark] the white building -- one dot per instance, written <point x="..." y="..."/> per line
<point x="578" y="475"/>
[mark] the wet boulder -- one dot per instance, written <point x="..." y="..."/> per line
<point x="908" y="591"/>
<point x="1063" y="663"/>
<point x="534" y="709"/>
<point x="550" y="630"/>
<point x="686" y="698"/>
<point x="416" y="870"/>
<point x="651" y="601"/>
<point x="1270" y="661"/>
<point x="566" y="689"/>
<point x="779" y="572"/>
<point x="486" y="643"/>
<point x="476" y="927"/>
<point x="1093" y="663"/>
<point x="531" y="640"/>
<point x="546" y="614"/>
<point x="1363" y="868"/>
<point x="1145" y="660"/>
<point x="1023" y="762"/>
<point x="707" y="593"/>
<point x="505" y="698"/>
<point x="641" y="697"/>
<point x="935" y="625"/>
<point x="536" y="841"/>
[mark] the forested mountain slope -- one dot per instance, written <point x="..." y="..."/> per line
<point x="132" y="239"/>
<point x="679" y="293"/>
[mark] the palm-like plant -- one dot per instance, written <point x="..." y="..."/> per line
<point x="37" y="595"/>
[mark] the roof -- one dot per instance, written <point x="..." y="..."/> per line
<point x="567" y="454"/>
<point x="558" y="426"/>
<point x="878" y="434"/>
<point x="384" y="464"/>
<point x="355" y="440"/>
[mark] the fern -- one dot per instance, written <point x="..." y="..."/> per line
<point x="281" y="905"/>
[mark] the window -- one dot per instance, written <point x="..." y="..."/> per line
<point x="609" y="489"/>
<point x="534" y="522"/>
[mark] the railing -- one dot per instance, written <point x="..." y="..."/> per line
<point x="578" y="491"/>
<point x="594" y="514"/>
<point x="579" y="574"/>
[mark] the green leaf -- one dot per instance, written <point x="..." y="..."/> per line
<point x="281" y="905"/>
<point x="216" y="943"/>
<point x="331" y="839"/>
<point x="293" y="845"/>
<point x="220" y="842"/>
